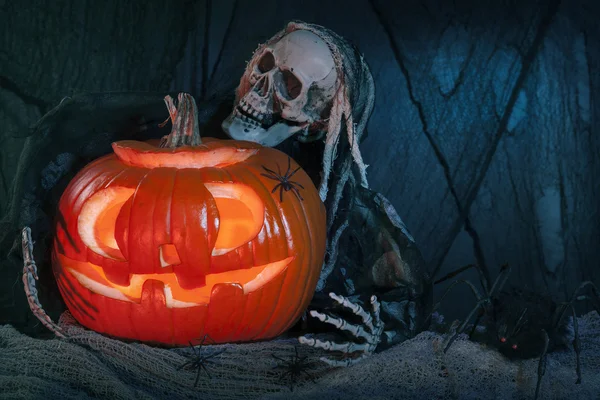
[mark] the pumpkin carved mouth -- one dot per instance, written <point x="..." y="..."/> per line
<point x="248" y="280"/>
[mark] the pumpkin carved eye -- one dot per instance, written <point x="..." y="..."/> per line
<point x="98" y="218"/>
<point x="241" y="215"/>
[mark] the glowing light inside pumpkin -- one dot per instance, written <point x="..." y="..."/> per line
<point x="92" y="277"/>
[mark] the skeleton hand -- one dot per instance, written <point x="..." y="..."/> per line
<point x="372" y="335"/>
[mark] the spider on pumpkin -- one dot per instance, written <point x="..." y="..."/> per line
<point x="294" y="368"/>
<point x="198" y="360"/>
<point x="285" y="184"/>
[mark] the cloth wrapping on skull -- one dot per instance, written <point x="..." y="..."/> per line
<point x="309" y="82"/>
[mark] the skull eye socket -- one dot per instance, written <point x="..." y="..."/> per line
<point x="266" y="62"/>
<point x="292" y="85"/>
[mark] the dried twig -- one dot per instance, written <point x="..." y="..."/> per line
<point x="29" y="277"/>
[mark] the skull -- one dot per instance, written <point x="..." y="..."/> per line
<point x="287" y="88"/>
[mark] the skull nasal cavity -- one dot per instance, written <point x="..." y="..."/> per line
<point x="293" y="86"/>
<point x="262" y="86"/>
<point x="266" y="63"/>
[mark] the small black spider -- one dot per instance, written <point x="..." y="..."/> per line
<point x="198" y="361"/>
<point x="295" y="367"/>
<point x="284" y="180"/>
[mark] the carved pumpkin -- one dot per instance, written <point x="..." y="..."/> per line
<point x="167" y="245"/>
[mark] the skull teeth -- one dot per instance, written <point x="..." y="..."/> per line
<point x="249" y="115"/>
<point x="247" y="120"/>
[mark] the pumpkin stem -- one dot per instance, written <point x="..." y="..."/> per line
<point x="184" y="117"/>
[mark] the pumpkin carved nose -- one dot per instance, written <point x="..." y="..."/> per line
<point x="168" y="255"/>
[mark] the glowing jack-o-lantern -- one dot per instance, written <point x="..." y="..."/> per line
<point x="167" y="245"/>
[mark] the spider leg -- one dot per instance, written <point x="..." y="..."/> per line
<point x="495" y="287"/>
<point x="481" y="302"/>
<point x="275" y="188"/>
<point x="297" y="193"/>
<point x="542" y="364"/>
<point x="595" y="299"/>
<point x="296" y="184"/>
<point x="205" y="370"/>
<point x="500" y="280"/>
<point x="447" y="291"/>
<point x="576" y="346"/>
<point x="287" y="375"/>
<point x="560" y="312"/>
<point x="309" y="376"/>
<point x="197" y="377"/>
<point x="184" y="365"/>
<point x="270" y="171"/>
<point x="280" y="193"/>
<point x="595" y="292"/>
<point x="193" y="348"/>
<point x="278" y="358"/>
<point x="271" y="177"/>
<point x="216" y="353"/>
<point x="462" y="326"/>
<point x="481" y="312"/>
<point x="452" y="274"/>
<point x="292" y="173"/>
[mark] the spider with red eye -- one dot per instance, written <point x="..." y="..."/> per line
<point x="514" y="346"/>
<point x="523" y="324"/>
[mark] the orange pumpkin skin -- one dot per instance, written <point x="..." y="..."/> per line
<point x="168" y="245"/>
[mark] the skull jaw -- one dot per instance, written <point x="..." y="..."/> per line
<point x="240" y="128"/>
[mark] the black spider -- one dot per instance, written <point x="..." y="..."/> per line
<point x="284" y="180"/>
<point x="198" y="361"/>
<point x="522" y="324"/>
<point x="295" y="367"/>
